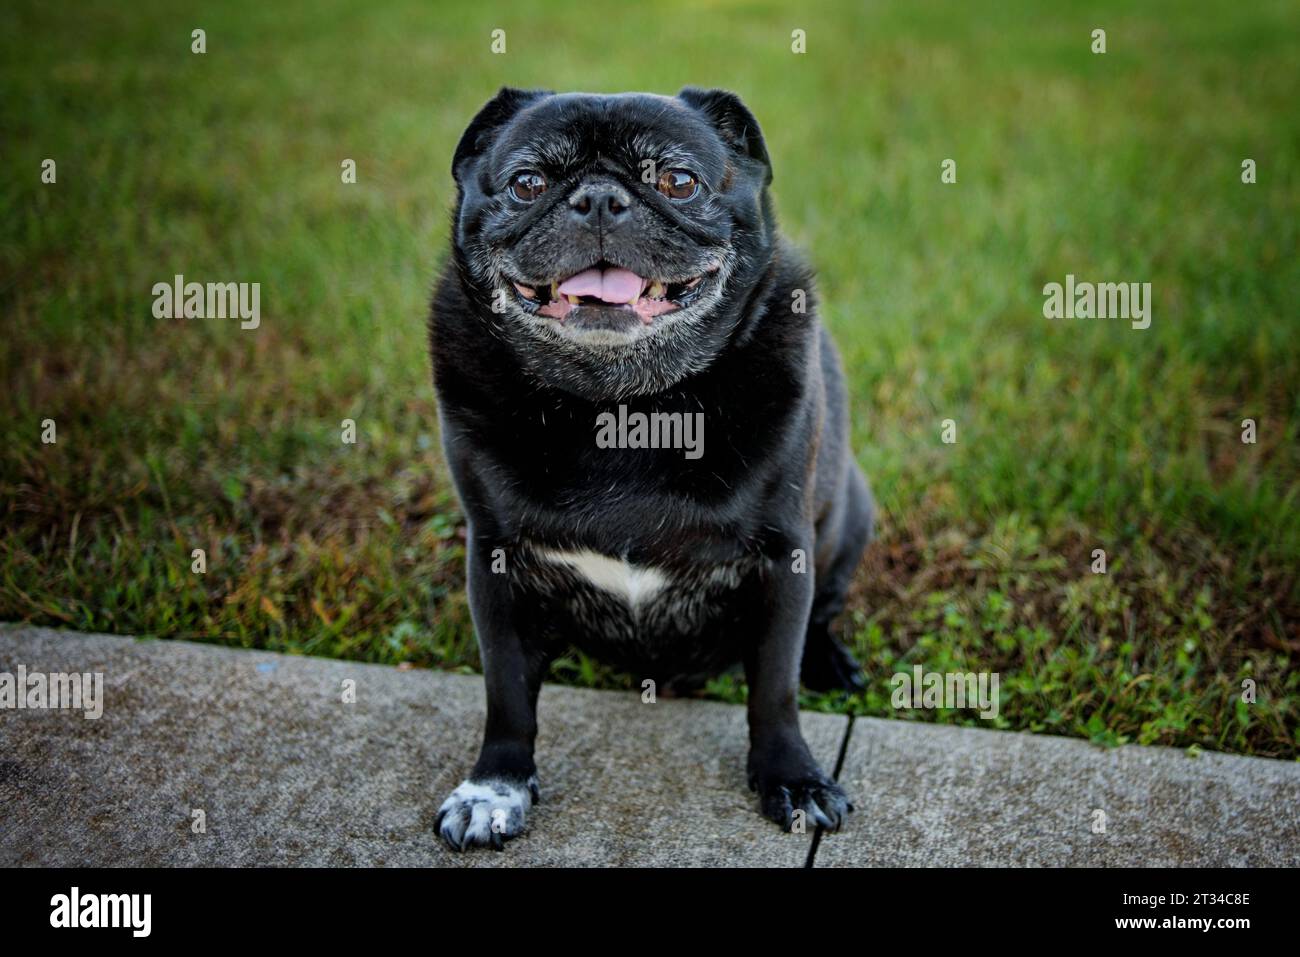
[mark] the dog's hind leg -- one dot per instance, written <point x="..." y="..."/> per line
<point x="827" y="665"/>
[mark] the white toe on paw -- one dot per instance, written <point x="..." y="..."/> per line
<point x="484" y="813"/>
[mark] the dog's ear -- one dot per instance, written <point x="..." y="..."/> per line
<point x="495" y="114"/>
<point x="733" y="121"/>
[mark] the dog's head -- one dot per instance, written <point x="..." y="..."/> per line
<point x="612" y="241"/>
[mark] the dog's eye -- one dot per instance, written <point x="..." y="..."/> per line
<point x="678" y="184"/>
<point x="528" y="185"/>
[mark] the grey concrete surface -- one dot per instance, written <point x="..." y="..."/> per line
<point x="941" y="796"/>
<point x="286" y="773"/>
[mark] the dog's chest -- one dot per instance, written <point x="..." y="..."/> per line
<point x="635" y="586"/>
<point x="612" y="600"/>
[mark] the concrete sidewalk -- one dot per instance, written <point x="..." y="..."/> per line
<point x="286" y="773"/>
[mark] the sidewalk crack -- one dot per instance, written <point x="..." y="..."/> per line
<point x="835" y="776"/>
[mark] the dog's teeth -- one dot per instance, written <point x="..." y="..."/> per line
<point x="656" y="290"/>
<point x="573" y="300"/>
<point x="555" y="290"/>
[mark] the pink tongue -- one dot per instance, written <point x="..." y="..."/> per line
<point x="612" y="285"/>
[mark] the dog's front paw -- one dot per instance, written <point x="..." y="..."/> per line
<point x="485" y="813"/>
<point x="821" y="800"/>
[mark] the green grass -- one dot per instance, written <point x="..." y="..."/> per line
<point x="1072" y="435"/>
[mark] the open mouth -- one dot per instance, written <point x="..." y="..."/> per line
<point x="605" y="287"/>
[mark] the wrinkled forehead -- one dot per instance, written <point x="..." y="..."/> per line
<point x="571" y="130"/>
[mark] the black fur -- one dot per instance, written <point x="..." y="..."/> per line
<point x="519" y="398"/>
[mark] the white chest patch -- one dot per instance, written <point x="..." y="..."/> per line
<point x="635" y="584"/>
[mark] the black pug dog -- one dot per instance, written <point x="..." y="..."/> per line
<point x="617" y="291"/>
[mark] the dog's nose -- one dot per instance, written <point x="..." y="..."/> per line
<point x="599" y="205"/>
